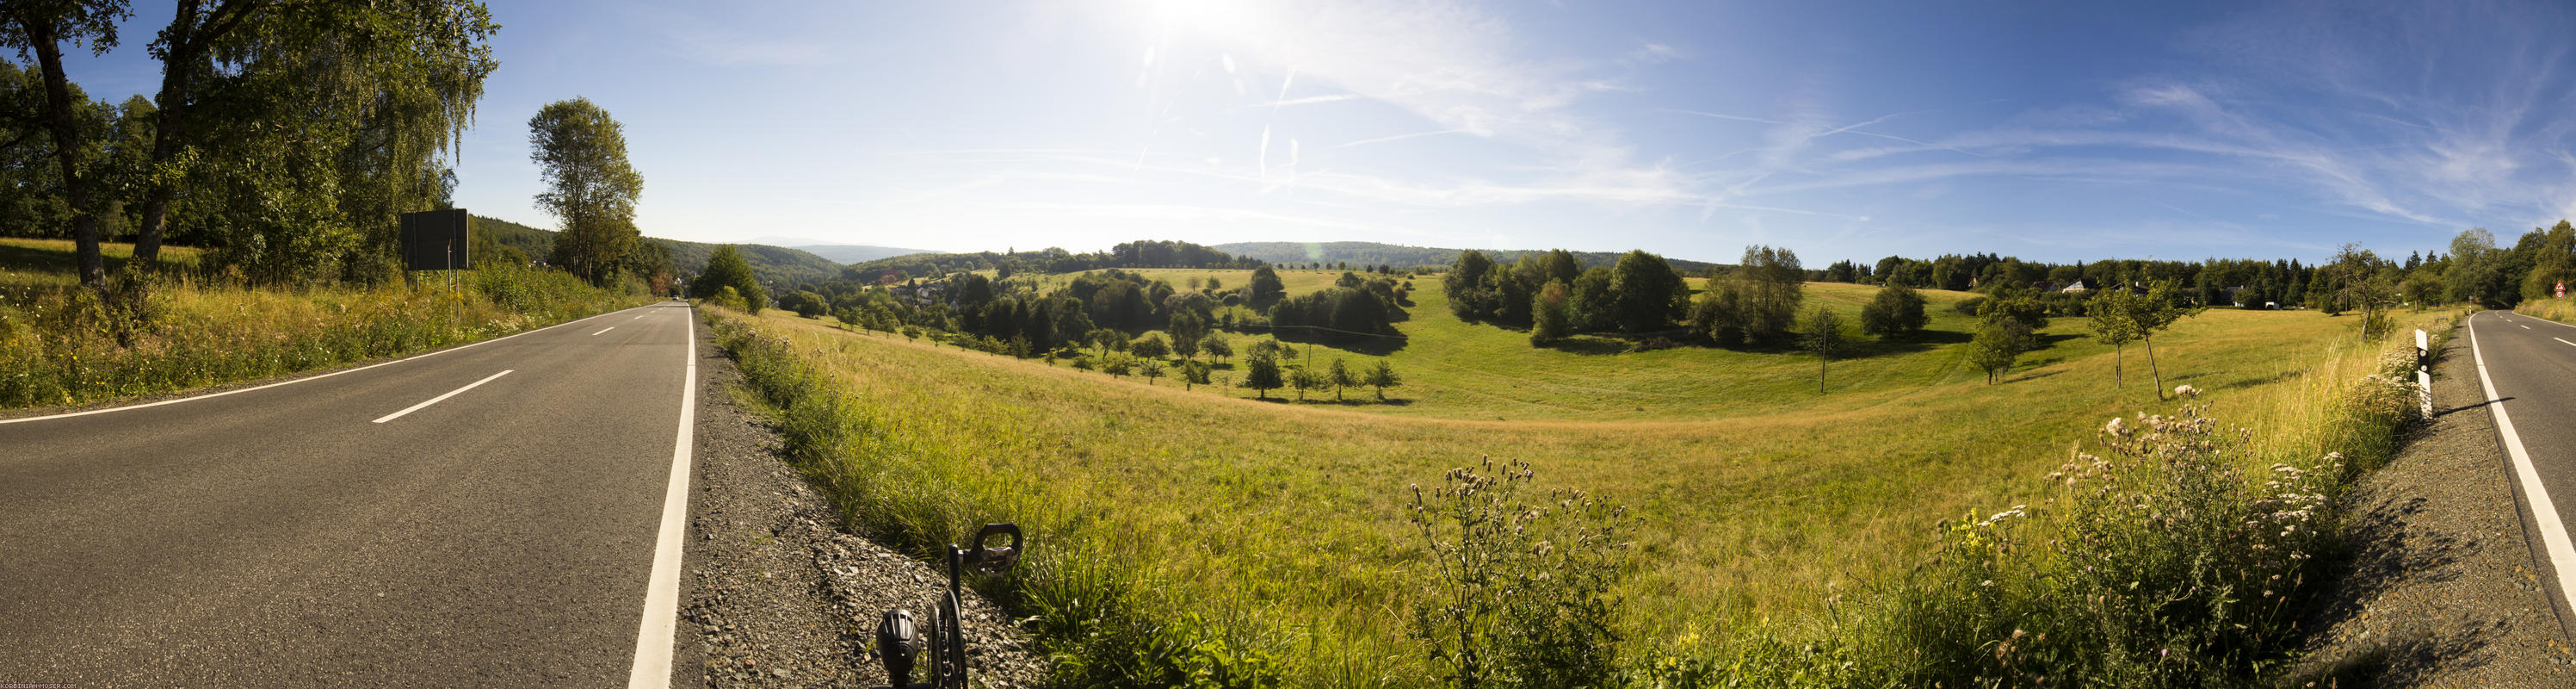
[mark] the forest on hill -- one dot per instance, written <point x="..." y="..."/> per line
<point x="1364" y="254"/>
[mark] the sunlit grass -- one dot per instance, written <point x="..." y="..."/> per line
<point x="1759" y="498"/>
<point x="60" y="346"/>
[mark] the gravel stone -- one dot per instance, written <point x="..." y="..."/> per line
<point x="2442" y="588"/>
<point x="779" y="596"/>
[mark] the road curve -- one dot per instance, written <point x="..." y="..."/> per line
<point x="310" y="535"/>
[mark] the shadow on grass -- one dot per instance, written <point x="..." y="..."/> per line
<point x="52" y="262"/>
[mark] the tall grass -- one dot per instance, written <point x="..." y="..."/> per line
<point x="2175" y="550"/>
<point x="1193" y="539"/>
<point x="61" y="344"/>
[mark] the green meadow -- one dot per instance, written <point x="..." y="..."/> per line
<point x="1755" y="497"/>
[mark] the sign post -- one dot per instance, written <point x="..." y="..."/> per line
<point x="2562" y="289"/>
<point x="2424" y="369"/>
<point x="438" y="240"/>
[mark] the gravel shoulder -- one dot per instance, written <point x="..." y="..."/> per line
<point x="778" y="595"/>
<point x="2442" y="589"/>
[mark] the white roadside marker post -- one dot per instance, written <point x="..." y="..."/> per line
<point x="2424" y="371"/>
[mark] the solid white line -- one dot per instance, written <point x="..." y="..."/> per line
<point x="441" y="398"/>
<point x="300" y="380"/>
<point x="2553" y="532"/>
<point x="602" y="330"/>
<point x="653" y="637"/>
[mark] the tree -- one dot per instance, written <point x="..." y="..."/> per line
<point x="1551" y="313"/>
<point x="2153" y="314"/>
<point x="41" y="29"/>
<point x="1193" y="373"/>
<point x="2112" y="312"/>
<point x="1304" y="379"/>
<point x="1821" y="333"/>
<point x="2475" y="274"/>
<point x="1263" y="375"/>
<point x="1150" y="369"/>
<point x="1266" y="287"/>
<point x="581" y="153"/>
<point x="1117" y="365"/>
<point x="1595" y="302"/>
<point x="1150" y="347"/>
<point x="399" y="87"/>
<point x="1340" y="376"/>
<point x="1382" y="377"/>
<point x="1896" y="310"/>
<point x="1647" y="293"/>
<point x="1772" y="286"/>
<point x="726" y="268"/>
<point x="1997" y="345"/>
<point x="1216" y="346"/>
<point x="1469" y="288"/>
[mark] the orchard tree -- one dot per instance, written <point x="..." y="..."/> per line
<point x="2113" y="314"/>
<point x="581" y="153"/>
<point x="1193" y="373"/>
<point x="1341" y="376"/>
<point x="1150" y="347"/>
<point x="1382" y="377"/>
<point x="1263" y="374"/>
<point x="1216" y="346"/>
<point x="1997" y="345"/>
<point x="1821" y="333"/>
<point x="2153" y="314"/>
<point x="1150" y="369"/>
<point x="1304" y="379"/>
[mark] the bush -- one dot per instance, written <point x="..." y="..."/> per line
<point x="1896" y="310"/>
<point x="1522" y="591"/>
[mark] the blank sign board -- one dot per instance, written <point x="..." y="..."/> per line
<point x="436" y="240"/>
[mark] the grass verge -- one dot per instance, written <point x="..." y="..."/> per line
<point x="61" y="344"/>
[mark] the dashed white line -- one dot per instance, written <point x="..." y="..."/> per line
<point x="2553" y="532"/>
<point x="441" y="398"/>
<point x="602" y="330"/>
<point x="653" y="636"/>
<point x="2562" y="340"/>
<point x="2525" y="327"/>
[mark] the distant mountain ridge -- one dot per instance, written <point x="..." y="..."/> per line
<point x="1400" y="256"/>
<point x="775" y="265"/>
<point x="856" y="253"/>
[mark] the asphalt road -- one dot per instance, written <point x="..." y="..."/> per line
<point x="2527" y="366"/>
<point x="302" y="535"/>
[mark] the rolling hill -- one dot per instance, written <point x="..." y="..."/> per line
<point x="1373" y="253"/>
<point x="856" y="253"/>
<point x="777" y="266"/>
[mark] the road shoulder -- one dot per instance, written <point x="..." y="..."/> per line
<point x="2441" y="587"/>
<point x="777" y="594"/>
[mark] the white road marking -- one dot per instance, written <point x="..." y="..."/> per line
<point x="441" y="398"/>
<point x="602" y="330"/>
<point x="2553" y="532"/>
<point x="298" y="380"/>
<point x="2525" y="327"/>
<point x="2562" y="340"/>
<point x="653" y="637"/>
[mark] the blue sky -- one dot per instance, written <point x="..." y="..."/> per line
<point x="2048" y="130"/>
